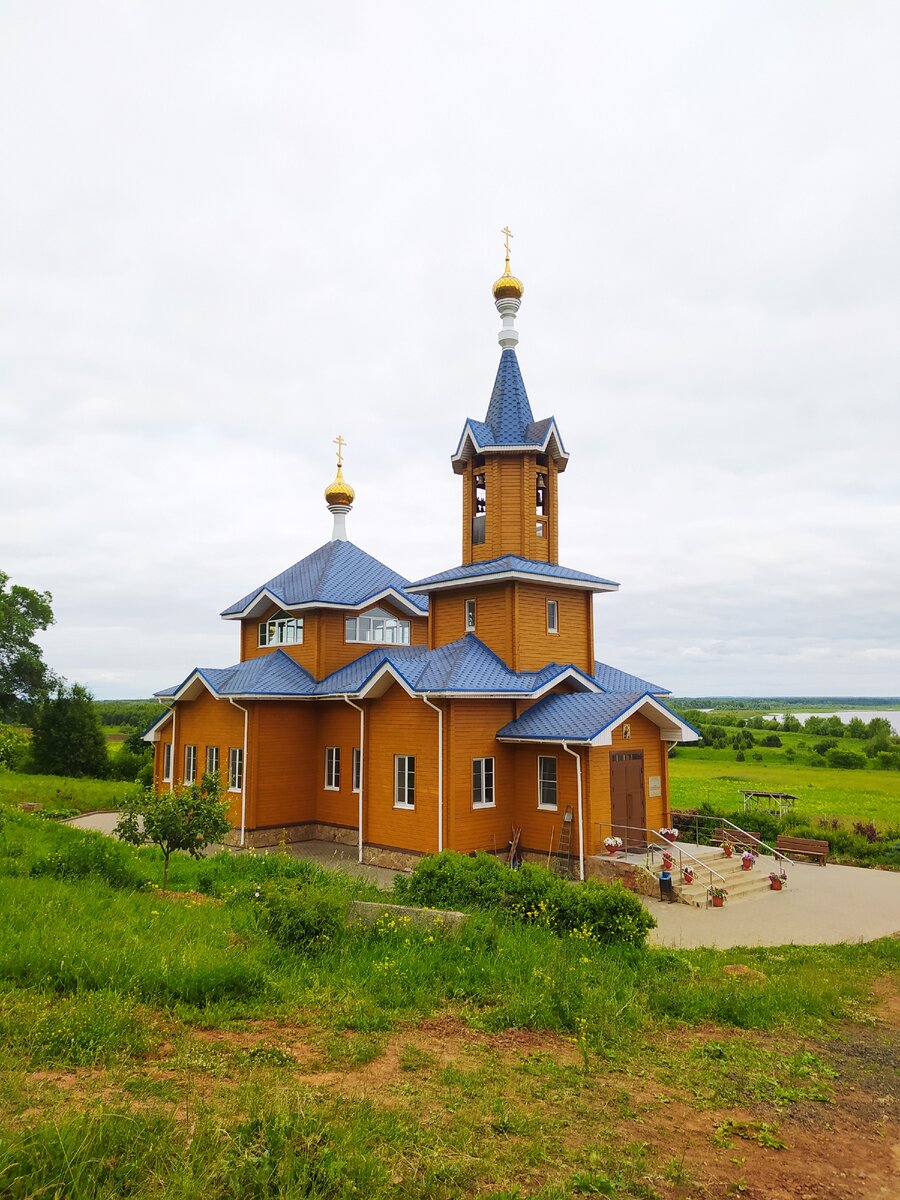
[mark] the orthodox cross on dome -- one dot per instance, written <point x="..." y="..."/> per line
<point x="340" y="443"/>
<point x="507" y="234"/>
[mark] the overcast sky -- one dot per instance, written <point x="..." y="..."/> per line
<point x="230" y="231"/>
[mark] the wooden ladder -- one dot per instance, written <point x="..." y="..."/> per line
<point x="564" y="850"/>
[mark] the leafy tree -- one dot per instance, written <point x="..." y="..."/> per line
<point x="857" y="728"/>
<point x="790" y="724"/>
<point x="24" y="677"/>
<point x="187" y="819"/>
<point x="14" y="747"/>
<point x="68" y="739"/>
<point x="771" y="739"/>
<point x="848" y="760"/>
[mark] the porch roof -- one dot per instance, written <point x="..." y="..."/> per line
<point x="589" y="718"/>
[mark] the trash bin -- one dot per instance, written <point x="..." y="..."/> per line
<point x="666" y="891"/>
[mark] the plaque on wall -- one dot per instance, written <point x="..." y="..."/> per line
<point x="654" y="785"/>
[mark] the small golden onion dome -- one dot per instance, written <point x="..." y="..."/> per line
<point x="508" y="287"/>
<point x="340" y="491"/>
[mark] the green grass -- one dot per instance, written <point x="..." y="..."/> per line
<point x="698" y="776"/>
<point x="179" y="1018"/>
<point x="56" y="792"/>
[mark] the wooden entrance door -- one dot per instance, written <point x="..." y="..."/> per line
<point x="626" y="786"/>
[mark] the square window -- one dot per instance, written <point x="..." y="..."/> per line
<point x="546" y="781"/>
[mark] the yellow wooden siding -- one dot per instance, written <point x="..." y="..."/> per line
<point x="494" y="605"/>
<point x="306" y="654"/>
<point x="510" y="517"/>
<point x="339" y="727"/>
<point x="203" y="722"/>
<point x="470" y="729"/>
<point x="535" y="647"/>
<point x="281" y="763"/>
<point x="400" y="724"/>
<point x="645" y="738"/>
<point x="538" y="823"/>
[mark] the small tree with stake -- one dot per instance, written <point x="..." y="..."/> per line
<point x="187" y="819"/>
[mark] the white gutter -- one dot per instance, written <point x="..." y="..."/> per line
<point x="440" y="772"/>
<point x="244" y="771"/>
<point x="577" y="758"/>
<point x="362" y="746"/>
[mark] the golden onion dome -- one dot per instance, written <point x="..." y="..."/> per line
<point x="508" y="287"/>
<point x="340" y="491"/>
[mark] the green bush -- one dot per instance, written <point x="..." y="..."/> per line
<point x="533" y="895"/>
<point x="303" y="919"/>
<point x="15" y="747"/>
<point x="848" y="760"/>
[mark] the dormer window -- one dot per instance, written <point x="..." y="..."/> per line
<point x="281" y="630"/>
<point x="377" y="626"/>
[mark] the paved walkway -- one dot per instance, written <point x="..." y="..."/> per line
<point x="820" y="904"/>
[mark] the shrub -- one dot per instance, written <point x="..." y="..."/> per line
<point x="771" y="739"/>
<point x="15" y="747"/>
<point x="847" y="760"/>
<point x="302" y="919"/>
<point x="824" y="746"/>
<point x="600" y="911"/>
<point x="92" y="854"/>
<point x="888" y="760"/>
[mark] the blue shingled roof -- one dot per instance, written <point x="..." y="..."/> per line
<point x="578" y="716"/>
<point x="510" y="563"/>
<point x="336" y="573"/>
<point x="613" y="680"/>
<point x="509" y="421"/>
<point x="464" y="666"/>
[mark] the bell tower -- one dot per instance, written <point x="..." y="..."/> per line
<point x="509" y="463"/>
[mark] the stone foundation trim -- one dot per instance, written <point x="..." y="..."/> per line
<point x="423" y="918"/>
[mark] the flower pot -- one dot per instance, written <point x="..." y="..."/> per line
<point x="746" y="866"/>
<point x="728" y="853"/>
<point x="776" y="885"/>
<point x="612" y="849"/>
<point x="688" y="876"/>
<point x="718" y="901"/>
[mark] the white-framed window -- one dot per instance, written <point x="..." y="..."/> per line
<point x="190" y="764"/>
<point x="546" y="781"/>
<point x="356" y="765"/>
<point x="404" y="781"/>
<point x="333" y="768"/>
<point x="552" y="616"/>
<point x="167" y="762"/>
<point x="377" y="625"/>
<point x="235" y="769"/>
<point x="212" y="760"/>
<point x="281" y="630"/>
<point x="482" y="783"/>
<point x="470" y="616"/>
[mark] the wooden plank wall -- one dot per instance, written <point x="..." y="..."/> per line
<point x="400" y="724"/>
<point x="282" y="763"/>
<point x="537" y="823"/>
<point x="202" y="722"/>
<point x="510" y="526"/>
<point x="338" y="726"/>
<point x="644" y="737"/>
<point x="469" y="732"/>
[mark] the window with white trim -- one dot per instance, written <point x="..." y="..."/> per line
<point x="333" y="768"/>
<point x="552" y="616"/>
<point x="190" y="764"/>
<point x="377" y="625"/>
<point x="281" y="630"/>
<point x="546" y="781"/>
<point x="356" y="769"/>
<point x="235" y="769"/>
<point x="212" y="760"/>
<point x="404" y="781"/>
<point x="470" y="616"/>
<point x="167" y="762"/>
<point x="482" y="783"/>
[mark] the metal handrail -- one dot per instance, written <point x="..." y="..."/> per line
<point x="651" y="849"/>
<point x="778" y="855"/>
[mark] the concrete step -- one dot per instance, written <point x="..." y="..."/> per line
<point x="740" y="885"/>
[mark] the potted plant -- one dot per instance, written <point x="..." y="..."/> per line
<point x="670" y="834"/>
<point x="777" y="880"/>
<point x="667" y="861"/>
<point x="728" y="849"/>
<point x="747" y="859"/>
<point x="717" y="895"/>
<point x="613" y="844"/>
<point x="687" y="874"/>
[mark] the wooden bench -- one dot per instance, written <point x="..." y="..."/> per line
<point x="740" y="841"/>
<point x="811" y="847"/>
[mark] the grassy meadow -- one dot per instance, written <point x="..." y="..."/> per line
<point x="183" y="1044"/>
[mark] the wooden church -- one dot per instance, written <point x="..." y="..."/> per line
<point x="409" y="717"/>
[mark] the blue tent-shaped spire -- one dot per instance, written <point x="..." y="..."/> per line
<point x="508" y="423"/>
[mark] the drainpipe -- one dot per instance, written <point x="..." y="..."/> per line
<point x="362" y="747"/>
<point x="244" y="772"/>
<point x="174" y="751"/>
<point x="440" y="714"/>
<point x="577" y="758"/>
